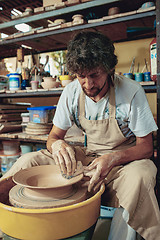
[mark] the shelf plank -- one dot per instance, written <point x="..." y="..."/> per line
<point x="57" y="12"/>
<point x="22" y="136"/>
<point x="37" y="93"/>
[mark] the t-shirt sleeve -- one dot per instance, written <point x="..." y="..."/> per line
<point x="63" y="118"/>
<point x="141" y="121"/>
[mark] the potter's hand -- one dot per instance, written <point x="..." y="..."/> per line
<point x="64" y="156"/>
<point x="97" y="171"/>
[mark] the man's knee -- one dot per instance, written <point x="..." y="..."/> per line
<point x="141" y="171"/>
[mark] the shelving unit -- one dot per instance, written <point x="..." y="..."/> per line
<point x="57" y="39"/>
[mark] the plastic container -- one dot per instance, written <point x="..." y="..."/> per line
<point x="7" y="161"/>
<point x="25" y="117"/>
<point x="4" y="165"/>
<point x="25" y="148"/>
<point x="129" y="75"/>
<point x="138" y="77"/>
<point x="153" y="59"/>
<point x="102" y="228"/>
<point x="10" y="147"/>
<point x="147" y="76"/>
<point x="14" y="81"/>
<point x="43" y="114"/>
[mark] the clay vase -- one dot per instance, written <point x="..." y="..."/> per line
<point x="49" y="82"/>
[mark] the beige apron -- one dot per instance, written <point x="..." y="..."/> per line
<point x="124" y="185"/>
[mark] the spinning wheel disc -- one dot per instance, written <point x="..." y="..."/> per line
<point x="28" y="198"/>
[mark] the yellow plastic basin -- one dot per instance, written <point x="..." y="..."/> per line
<point x="51" y="223"/>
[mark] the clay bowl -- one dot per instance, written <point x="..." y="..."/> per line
<point x="51" y="84"/>
<point x="49" y="79"/>
<point x="43" y="177"/>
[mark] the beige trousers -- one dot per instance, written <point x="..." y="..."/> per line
<point x="130" y="186"/>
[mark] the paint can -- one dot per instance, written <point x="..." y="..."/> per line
<point x="129" y="75"/>
<point x="147" y="76"/>
<point x="14" y="81"/>
<point x="138" y="77"/>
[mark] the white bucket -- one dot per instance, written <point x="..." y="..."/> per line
<point x="14" y="81"/>
<point x="10" y="147"/>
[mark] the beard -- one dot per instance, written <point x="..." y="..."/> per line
<point x="93" y="92"/>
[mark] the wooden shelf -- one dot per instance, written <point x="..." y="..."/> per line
<point x="57" y="39"/>
<point x="23" y="137"/>
<point x="56" y="92"/>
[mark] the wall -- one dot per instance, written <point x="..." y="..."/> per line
<point x="139" y="49"/>
<point x="125" y="51"/>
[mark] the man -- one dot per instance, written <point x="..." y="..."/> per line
<point x="115" y="116"/>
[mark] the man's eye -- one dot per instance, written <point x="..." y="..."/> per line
<point x="95" y="75"/>
<point x="81" y="76"/>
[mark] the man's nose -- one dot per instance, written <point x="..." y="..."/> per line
<point x="88" y="83"/>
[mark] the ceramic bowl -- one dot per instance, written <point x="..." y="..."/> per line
<point x="65" y="79"/>
<point x="48" y="85"/>
<point x="49" y="79"/>
<point x="147" y="5"/>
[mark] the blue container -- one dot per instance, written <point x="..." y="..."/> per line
<point x="43" y="114"/>
<point x="138" y="77"/>
<point x="129" y="75"/>
<point x="147" y="76"/>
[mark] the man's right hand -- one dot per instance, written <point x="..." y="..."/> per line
<point x="64" y="156"/>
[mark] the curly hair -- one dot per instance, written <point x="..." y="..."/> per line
<point x="90" y="50"/>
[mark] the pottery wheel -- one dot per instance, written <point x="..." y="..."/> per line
<point x="23" y="197"/>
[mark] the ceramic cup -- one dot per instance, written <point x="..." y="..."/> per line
<point x="147" y="76"/>
<point x="138" y="77"/>
<point x="34" y="85"/>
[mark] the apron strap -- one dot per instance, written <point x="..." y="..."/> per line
<point x="112" y="102"/>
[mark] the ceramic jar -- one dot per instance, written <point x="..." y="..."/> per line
<point x="78" y="18"/>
